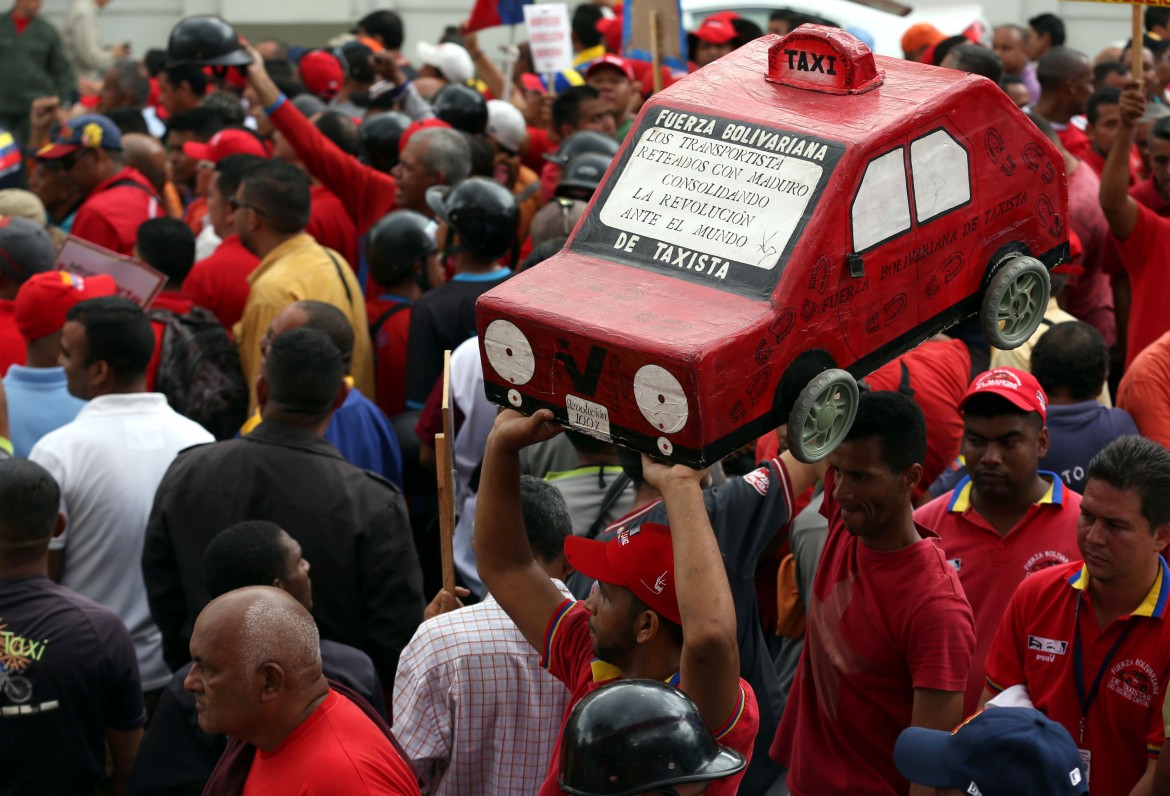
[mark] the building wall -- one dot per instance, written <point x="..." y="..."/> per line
<point x="146" y="23"/>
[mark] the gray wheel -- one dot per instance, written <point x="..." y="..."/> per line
<point x="822" y="415"/>
<point x="1015" y="301"/>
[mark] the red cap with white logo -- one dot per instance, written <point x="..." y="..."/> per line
<point x="641" y="560"/>
<point x="1017" y="387"/>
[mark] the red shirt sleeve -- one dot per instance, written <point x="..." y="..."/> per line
<point x="1136" y="250"/>
<point x="567" y="645"/>
<point x="942" y="641"/>
<point x="367" y="193"/>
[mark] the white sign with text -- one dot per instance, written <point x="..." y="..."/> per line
<point x="550" y="37"/>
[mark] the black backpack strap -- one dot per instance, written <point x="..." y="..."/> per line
<point x="904" y="385"/>
<point x="387" y="315"/>
<point x="341" y="276"/>
<point x="126" y="182"/>
<point x="611" y="497"/>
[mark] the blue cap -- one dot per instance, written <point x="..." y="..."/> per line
<point x="998" y="752"/>
<point x="90" y="131"/>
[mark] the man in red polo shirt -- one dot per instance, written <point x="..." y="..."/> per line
<point x="1006" y="520"/>
<point x="1088" y="640"/>
<point x="889" y="636"/>
<point x="219" y="282"/>
<point x="662" y="609"/>
<point x="1140" y="234"/>
<point x="117" y="198"/>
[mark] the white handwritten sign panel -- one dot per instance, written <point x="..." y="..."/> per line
<point x="725" y="199"/>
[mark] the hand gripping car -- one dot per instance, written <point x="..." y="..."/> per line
<point x="776" y="226"/>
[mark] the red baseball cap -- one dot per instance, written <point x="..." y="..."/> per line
<point x="610" y="29"/>
<point x="612" y="61"/>
<point x="223" y="144"/>
<point x="1017" y="387"/>
<point x="321" y="73"/>
<point x="715" y="29"/>
<point x="641" y="560"/>
<point x="42" y="301"/>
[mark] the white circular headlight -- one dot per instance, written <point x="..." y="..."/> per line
<point x="660" y="398"/>
<point x="509" y="352"/>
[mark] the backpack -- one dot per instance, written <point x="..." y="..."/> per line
<point x="199" y="371"/>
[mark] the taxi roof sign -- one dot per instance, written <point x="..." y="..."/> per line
<point x="820" y="58"/>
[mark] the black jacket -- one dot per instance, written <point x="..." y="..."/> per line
<point x="351" y="524"/>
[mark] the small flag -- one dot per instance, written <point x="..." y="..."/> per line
<point x="490" y="13"/>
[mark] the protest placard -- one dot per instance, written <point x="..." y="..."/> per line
<point x="135" y="279"/>
<point x="550" y="37"/>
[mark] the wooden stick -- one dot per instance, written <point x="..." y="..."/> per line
<point x="445" y="470"/>
<point x="1137" y="43"/>
<point x="655" y="57"/>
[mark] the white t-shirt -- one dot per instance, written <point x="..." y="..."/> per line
<point x="109" y="462"/>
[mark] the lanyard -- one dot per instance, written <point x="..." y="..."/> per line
<point x="1079" y="666"/>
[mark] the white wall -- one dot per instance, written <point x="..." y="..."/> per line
<point x="146" y="23"/>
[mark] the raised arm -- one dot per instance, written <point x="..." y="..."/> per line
<point x="1121" y="210"/>
<point x="709" y="670"/>
<point x="506" y="564"/>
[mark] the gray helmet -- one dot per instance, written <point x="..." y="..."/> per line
<point x="395" y="243"/>
<point x="206" y="41"/>
<point x="582" y="175"/>
<point x="583" y="141"/>
<point x="481" y="212"/>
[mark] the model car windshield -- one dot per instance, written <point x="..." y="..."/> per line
<point x="709" y="199"/>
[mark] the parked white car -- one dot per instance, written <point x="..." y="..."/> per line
<point x="885" y="28"/>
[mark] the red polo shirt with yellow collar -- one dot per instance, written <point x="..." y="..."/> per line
<point x="568" y="655"/>
<point x="1049" y="625"/>
<point x="991" y="566"/>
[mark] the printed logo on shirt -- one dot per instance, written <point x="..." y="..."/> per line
<point x="1043" y="560"/>
<point x="973" y="790"/>
<point x="1135" y="680"/>
<point x="957" y="563"/>
<point x="16" y="653"/>
<point x="1047" y="645"/>
<point x="758" y="480"/>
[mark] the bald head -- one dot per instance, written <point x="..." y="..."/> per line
<point x="271" y="627"/>
<point x="256" y="665"/>
<point x="146" y="153"/>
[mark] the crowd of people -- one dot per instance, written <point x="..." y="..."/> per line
<point x="220" y="557"/>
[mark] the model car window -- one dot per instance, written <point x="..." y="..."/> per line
<point x="881" y="208"/>
<point x="939" y="168"/>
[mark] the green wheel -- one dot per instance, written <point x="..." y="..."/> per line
<point x="1015" y="302"/>
<point x="822" y="415"/>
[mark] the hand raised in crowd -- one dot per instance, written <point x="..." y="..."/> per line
<point x="1132" y="104"/>
<point x="445" y="602"/>
<point x="513" y="431"/>
<point x="44" y="113"/>
<point x="386" y="64"/>
<point x="661" y="475"/>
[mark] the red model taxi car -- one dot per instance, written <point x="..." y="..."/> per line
<point x="776" y="226"/>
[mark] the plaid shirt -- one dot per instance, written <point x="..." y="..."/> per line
<point x="473" y="708"/>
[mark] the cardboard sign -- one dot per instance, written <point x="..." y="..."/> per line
<point x="136" y="280"/>
<point x="638" y="33"/>
<point x="550" y="37"/>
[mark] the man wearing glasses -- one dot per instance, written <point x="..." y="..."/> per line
<point x="88" y="152"/>
<point x="270" y="210"/>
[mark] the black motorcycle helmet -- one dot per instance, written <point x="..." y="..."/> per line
<point x="634" y="736"/>
<point x="397" y="241"/>
<point x="378" y="137"/>
<point x="582" y="175"/>
<point x="205" y="41"/>
<point x="462" y="107"/>
<point x="583" y="141"/>
<point x="480" y="212"/>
